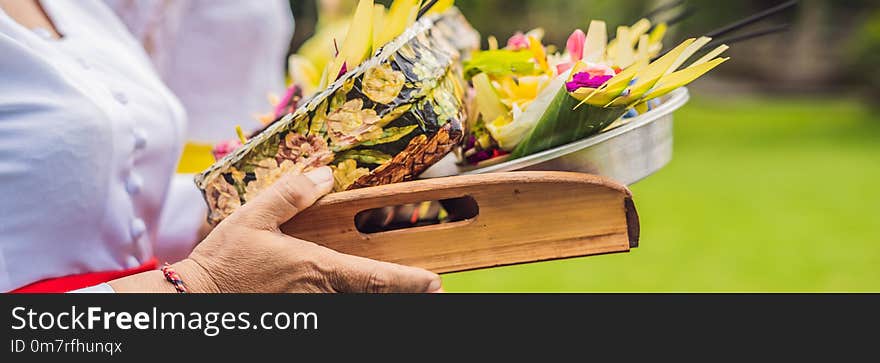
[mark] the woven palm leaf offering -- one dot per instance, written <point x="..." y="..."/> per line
<point x="529" y="100"/>
<point x="375" y="120"/>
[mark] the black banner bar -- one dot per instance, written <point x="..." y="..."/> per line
<point x="133" y="327"/>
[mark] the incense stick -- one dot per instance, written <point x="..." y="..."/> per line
<point x="732" y="27"/>
<point x="425" y="8"/>
<point x="662" y="9"/>
<point x="740" y="24"/>
<point x="748" y="36"/>
<point x="687" y="12"/>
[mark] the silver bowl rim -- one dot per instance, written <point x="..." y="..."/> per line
<point x="673" y="102"/>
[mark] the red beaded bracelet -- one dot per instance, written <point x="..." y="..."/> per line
<point x="174" y="278"/>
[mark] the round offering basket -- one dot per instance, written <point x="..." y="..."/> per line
<point x="626" y="154"/>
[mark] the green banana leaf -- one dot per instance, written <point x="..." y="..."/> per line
<point x="563" y="123"/>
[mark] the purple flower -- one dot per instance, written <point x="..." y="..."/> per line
<point x="586" y="80"/>
<point x="479" y="157"/>
<point x="471" y="142"/>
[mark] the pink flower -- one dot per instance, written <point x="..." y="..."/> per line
<point x="575" y="45"/>
<point x="518" y="41"/>
<point x="575" y="48"/>
<point x="595" y="69"/>
<point x="563" y="67"/>
<point x="287" y="101"/>
<point x="225" y="148"/>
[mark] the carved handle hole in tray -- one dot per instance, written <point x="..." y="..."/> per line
<point x="417" y="215"/>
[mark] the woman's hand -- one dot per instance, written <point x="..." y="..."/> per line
<point x="248" y="253"/>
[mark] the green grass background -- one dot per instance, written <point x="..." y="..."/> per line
<point x="762" y="195"/>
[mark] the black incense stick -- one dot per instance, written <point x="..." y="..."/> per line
<point x="682" y="16"/>
<point x="737" y="25"/>
<point x="686" y="12"/>
<point x="425" y="8"/>
<point x="662" y="9"/>
<point x="740" y="24"/>
<point x="740" y="38"/>
<point x="748" y="36"/>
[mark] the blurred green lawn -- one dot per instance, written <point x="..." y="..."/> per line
<point x="765" y="196"/>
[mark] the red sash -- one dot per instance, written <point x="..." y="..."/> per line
<point x="76" y="282"/>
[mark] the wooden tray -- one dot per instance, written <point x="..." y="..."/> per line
<point x="522" y="217"/>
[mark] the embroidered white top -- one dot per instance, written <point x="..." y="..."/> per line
<point x="89" y="139"/>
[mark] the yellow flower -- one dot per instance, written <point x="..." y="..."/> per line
<point x="267" y="172"/>
<point x="346" y="173"/>
<point x="382" y="83"/>
<point x="520" y="92"/>
<point x="297" y="154"/>
<point x="351" y="124"/>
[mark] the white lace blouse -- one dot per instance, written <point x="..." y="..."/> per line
<point x="89" y="139"/>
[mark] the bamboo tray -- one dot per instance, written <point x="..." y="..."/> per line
<point x="518" y="217"/>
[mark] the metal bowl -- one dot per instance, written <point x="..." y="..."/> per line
<point x="626" y="154"/>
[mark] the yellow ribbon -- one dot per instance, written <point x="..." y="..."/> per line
<point x="196" y="158"/>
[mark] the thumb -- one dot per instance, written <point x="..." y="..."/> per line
<point x="361" y="275"/>
<point x="288" y="196"/>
